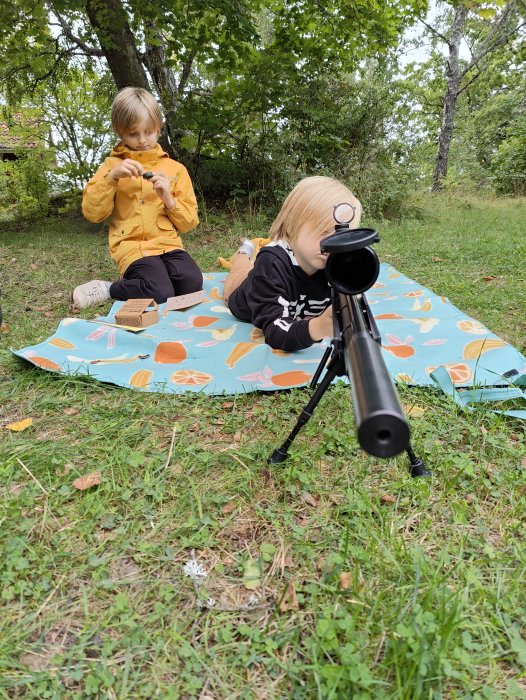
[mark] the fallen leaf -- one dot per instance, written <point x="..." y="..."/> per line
<point x="34" y="266"/>
<point x="336" y="498"/>
<point x="252" y="571"/>
<point x="39" y="662"/>
<point x="62" y="472"/>
<point x="289" y="600"/>
<point x="489" y="278"/>
<point x="523" y="462"/>
<point x="229" y="506"/>
<point x="435" y="259"/>
<point x="20" y="425"/>
<point x="227" y="404"/>
<point x="71" y="411"/>
<point x="87" y="481"/>
<point x="309" y="499"/>
<point x="4" y="328"/>
<point x="387" y="498"/>
<point x="123" y="570"/>
<point x="414" y="411"/>
<point x="346" y="580"/>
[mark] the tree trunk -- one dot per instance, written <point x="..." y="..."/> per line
<point x="450" y="98"/>
<point x="164" y="81"/>
<point x="169" y="91"/>
<point x="110" y="22"/>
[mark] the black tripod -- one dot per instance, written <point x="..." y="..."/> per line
<point x="382" y="427"/>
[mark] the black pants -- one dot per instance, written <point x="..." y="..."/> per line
<point x="159" y="277"/>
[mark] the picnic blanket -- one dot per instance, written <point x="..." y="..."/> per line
<point x="206" y="349"/>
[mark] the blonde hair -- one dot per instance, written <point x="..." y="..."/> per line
<point x="313" y="201"/>
<point x="132" y="106"/>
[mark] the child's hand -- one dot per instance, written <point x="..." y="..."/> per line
<point x="322" y="326"/>
<point x="128" y="168"/>
<point x="161" y="184"/>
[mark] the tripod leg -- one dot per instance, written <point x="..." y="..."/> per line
<point x="416" y="465"/>
<point x="333" y="369"/>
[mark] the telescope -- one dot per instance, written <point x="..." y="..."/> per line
<point x="353" y="268"/>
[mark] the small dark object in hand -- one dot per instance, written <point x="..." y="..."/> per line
<point x="147" y="175"/>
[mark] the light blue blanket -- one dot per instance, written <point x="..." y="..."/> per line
<point x="205" y="349"/>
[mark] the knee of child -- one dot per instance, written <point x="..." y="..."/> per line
<point x="160" y="291"/>
<point x="192" y="281"/>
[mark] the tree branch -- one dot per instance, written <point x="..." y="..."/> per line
<point x="435" y="31"/>
<point x="68" y="32"/>
<point x="496" y="35"/>
<point x="185" y="74"/>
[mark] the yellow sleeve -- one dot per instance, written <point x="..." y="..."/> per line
<point x="183" y="214"/>
<point x="98" y="198"/>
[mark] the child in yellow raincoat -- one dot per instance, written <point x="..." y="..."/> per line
<point x="150" y="201"/>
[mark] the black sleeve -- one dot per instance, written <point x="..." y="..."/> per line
<point x="269" y="295"/>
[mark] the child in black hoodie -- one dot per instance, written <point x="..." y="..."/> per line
<point x="285" y="292"/>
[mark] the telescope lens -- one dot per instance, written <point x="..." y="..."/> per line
<point x="353" y="272"/>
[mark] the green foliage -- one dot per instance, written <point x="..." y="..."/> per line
<point x="256" y="81"/>
<point x="342" y="130"/>
<point x="24" y="185"/>
<point x="508" y="165"/>
<point x="77" y="109"/>
<point x="489" y="107"/>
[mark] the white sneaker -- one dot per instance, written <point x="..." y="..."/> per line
<point x="248" y="248"/>
<point x="91" y="293"/>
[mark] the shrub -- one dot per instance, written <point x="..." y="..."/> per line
<point x="24" y="186"/>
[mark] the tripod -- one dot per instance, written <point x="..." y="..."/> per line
<point x="355" y="350"/>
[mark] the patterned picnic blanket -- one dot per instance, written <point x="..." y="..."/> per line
<point x="205" y="349"/>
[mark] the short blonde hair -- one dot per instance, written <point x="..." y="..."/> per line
<point x="313" y="201"/>
<point x="133" y="106"/>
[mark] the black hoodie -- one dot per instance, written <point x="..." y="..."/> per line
<point x="279" y="298"/>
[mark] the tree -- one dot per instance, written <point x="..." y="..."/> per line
<point x="239" y="80"/>
<point x="501" y="24"/>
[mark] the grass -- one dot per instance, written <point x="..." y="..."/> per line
<point x="403" y="588"/>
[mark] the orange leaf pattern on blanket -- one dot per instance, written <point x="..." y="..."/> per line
<point x="458" y="372"/>
<point x="170" y="352"/>
<point x="141" y="378"/>
<point x="192" y="377"/>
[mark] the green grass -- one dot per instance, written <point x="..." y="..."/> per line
<point x="405" y="588"/>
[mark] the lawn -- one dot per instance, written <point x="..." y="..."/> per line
<point x="195" y="570"/>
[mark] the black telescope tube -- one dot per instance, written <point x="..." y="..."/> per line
<point x="382" y="427"/>
<point x="353" y="272"/>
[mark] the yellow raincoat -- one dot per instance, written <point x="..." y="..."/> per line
<point x="139" y="223"/>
